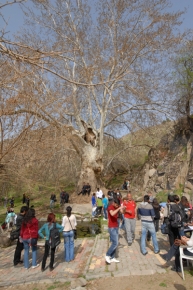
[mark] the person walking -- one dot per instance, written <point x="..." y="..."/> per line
<point x="113" y="210"/>
<point x="29" y="235"/>
<point x="69" y="225"/>
<point x="51" y="219"/>
<point x="130" y="218"/>
<point x="19" y="247"/>
<point x="146" y="213"/>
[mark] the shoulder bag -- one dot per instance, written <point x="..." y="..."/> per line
<point x="74" y="230"/>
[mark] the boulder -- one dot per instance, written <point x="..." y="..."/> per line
<point x="4" y="241"/>
<point x="152" y="172"/>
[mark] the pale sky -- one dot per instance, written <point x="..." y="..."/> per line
<point x="14" y="15"/>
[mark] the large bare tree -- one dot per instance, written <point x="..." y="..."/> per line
<point x="92" y="68"/>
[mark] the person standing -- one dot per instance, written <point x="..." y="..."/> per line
<point x="99" y="193"/>
<point x="113" y="210"/>
<point x="130" y="218"/>
<point x="69" y="225"/>
<point x="24" y="198"/>
<point x="27" y="200"/>
<point x="93" y="201"/>
<point x="52" y="200"/>
<point x="99" y="206"/>
<point x="105" y="205"/>
<point x="146" y="213"/>
<point x="157" y="209"/>
<point x="29" y="235"/>
<point x="46" y="229"/>
<point x="19" y="247"/>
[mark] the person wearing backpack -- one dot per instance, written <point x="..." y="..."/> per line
<point x="47" y="228"/>
<point x="69" y="223"/>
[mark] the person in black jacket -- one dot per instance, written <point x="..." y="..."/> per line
<point x="156" y="219"/>
<point x="19" y="246"/>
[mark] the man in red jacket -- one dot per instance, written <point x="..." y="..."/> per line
<point x="130" y="218"/>
<point x="113" y="210"/>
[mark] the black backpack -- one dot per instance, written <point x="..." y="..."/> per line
<point x="175" y="218"/>
<point x="54" y="237"/>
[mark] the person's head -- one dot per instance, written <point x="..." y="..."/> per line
<point x="176" y="198"/>
<point x="23" y="210"/>
<point x="129" y="196"/>
<point x="150" y="193"/>
<point x="98" y="188"/>
<point x="103" y="195"/>
<point x="68" y="211"/>
<point x="94" y="194"/>
<point x="115" y="203"/>
<point x="146" y="198"/>
<point x="184" y="201"/>
<point x="33" y="211"/>
<point x="170" y="198"/>
<point x="51" y="218"/>
<point x="29" y="216"/>
<point x="155" y="203"/>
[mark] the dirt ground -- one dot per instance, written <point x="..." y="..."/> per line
<point x="170" y="280"/>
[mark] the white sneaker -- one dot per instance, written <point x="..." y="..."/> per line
<point x="115" y="260"/>
<point x="33" y="267"/>
<point x="108" y="259"/>
<point x="104" y="219"/>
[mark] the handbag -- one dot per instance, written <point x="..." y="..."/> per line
<point x="74" y="230"/>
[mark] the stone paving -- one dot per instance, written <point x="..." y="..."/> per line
<point x="89" y="261"/>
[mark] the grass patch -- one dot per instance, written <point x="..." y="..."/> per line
<point x="162" y="196"/>
<point x="163" y="284"/>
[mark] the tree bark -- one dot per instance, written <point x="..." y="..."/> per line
<point x="92" y="166"/>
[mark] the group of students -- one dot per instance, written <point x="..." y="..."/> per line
<point x="178" y="215"/>
<point x="27" y="226"/>
<point x="149" y="212"/>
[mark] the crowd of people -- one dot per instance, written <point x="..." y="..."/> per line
<point x="121" y="214"/>
<point x="28" y="233"/>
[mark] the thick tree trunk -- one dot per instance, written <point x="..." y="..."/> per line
<point x="91" y="169"/>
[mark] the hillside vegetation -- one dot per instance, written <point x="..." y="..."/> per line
<point x="45" y="161"/>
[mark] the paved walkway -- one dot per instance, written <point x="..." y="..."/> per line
<point x="89" y="261"/>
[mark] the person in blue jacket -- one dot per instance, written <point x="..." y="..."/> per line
<point x="46" y="229"/>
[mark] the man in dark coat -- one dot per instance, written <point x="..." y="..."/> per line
<point x="19" y="246"/>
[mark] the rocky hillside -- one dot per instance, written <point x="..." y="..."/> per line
<point x="169" y="165"/>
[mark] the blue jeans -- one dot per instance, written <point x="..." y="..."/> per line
<point x="68" y="246"/>
<point x="114" y="235"/>
<point x="148" y="226"/>
<point x="26" y="244"/>
<point x="105" y="212"/>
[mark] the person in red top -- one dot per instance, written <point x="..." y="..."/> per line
<point x="113" y="210"/>
<point x="29" y="235"/>
<point x="130" y="218"/>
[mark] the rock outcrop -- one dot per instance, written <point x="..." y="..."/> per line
<point x="170" y="164"/>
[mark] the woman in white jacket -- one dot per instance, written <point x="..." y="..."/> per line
<point x="69" y="223"/>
